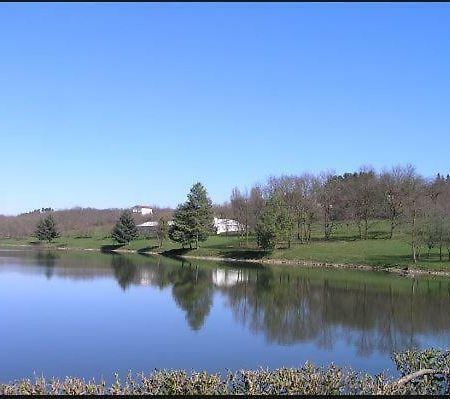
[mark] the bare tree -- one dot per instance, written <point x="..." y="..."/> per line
<point x="256" y="202"/>
<point x="240" y="207"/>
<point x="394" y="187"/>
<point x="328" y="193"/>
<point x="415" y="205"/>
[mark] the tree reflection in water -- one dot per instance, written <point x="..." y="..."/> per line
<point x="294" y="306"/>
<point x="192" y="291"/>
<point x="303" y="309"/>
<point x="48" y="260"/>
<point x="125" y="270"/>
<point x="371" y="312"/>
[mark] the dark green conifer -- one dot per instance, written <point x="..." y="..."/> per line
<point x="125" y="229"/>
<point x="46" y="229"/>
<point x="193" y="220"/>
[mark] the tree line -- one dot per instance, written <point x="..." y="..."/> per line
<point x="79" y="222"/>
<point x="287" y="207"/>
<point x="192" y="223"/>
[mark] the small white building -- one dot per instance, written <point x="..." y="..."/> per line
<point x="227" y="226"/>
<point x="142" y="209"/>
<point x="148" y="224"/>
<point x="150" y="228"/>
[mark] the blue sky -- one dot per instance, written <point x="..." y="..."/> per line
<point x="108" y="105"/>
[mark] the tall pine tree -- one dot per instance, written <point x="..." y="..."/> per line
<point x="46" y="229"/>
<point x="193" y="220"/>
<point x="125" y="229"/>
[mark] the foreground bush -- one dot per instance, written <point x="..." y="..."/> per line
<point x="422" y="372"/>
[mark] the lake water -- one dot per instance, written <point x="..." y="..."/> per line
<point x="90" y="315"/>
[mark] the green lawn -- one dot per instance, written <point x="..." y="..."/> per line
<point x="345" y="247"/>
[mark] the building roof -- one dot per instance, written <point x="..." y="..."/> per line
<point x="148" y="224"/>
<point x="142" y="206"/>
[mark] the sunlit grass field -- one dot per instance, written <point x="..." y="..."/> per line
<point x="344" y="247"/>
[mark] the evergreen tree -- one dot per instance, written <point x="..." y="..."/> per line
<point x="179" y="231"/>
<point x="275" y="224"/>
<point x="46" y="229"/>
<point x="193" y="220"/>
<point x="125" y="229"/>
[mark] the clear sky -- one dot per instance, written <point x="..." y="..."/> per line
<point x="109" y="105"/>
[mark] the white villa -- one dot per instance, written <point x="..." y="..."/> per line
<point x="142" y="209"/>
<point x="227" y="226"/>
<point x="221" y="226"/>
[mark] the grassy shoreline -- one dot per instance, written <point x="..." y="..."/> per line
<point x="344" y="250"/>
<point x="374" y="255"/>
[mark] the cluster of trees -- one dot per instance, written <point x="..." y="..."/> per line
<point x="81" y="222"/>
<point x="192" y="223"/>
<point x="287" y="207"/>
<point x="42" y="210"/>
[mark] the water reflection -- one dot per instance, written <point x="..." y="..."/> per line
<point x="48" y="260"/>
<point x="192" y="291"/>
<point x="369" y="311"/>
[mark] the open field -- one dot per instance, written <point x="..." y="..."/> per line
<point x="345" y="247"/>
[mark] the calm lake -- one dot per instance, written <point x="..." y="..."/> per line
<point x="91" y="314"/>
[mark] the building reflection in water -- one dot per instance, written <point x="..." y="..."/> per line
<point x="371" y="312"/>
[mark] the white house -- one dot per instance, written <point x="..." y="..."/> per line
<point x="227" y="225"/>
<point x="221" y="225"/>
<point x="142" y="209"/>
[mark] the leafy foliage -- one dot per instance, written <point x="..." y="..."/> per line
<point x="275" y="224"/>
<point x="46" y="229"/>
<point x="125" y="229"/>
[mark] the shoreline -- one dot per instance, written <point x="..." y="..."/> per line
<point x="405" y="271"/>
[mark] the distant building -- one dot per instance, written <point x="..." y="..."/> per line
<point x="150" y="228"/>
<point x="142" y="209"/>
<point x="221" y="226"/>
<point x="227" y="226"/>
<point x="147" y="228"/>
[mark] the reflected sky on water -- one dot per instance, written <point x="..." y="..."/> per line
<point x="91" y="314"/>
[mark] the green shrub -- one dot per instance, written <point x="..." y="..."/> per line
<point x="306" y="380"/>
